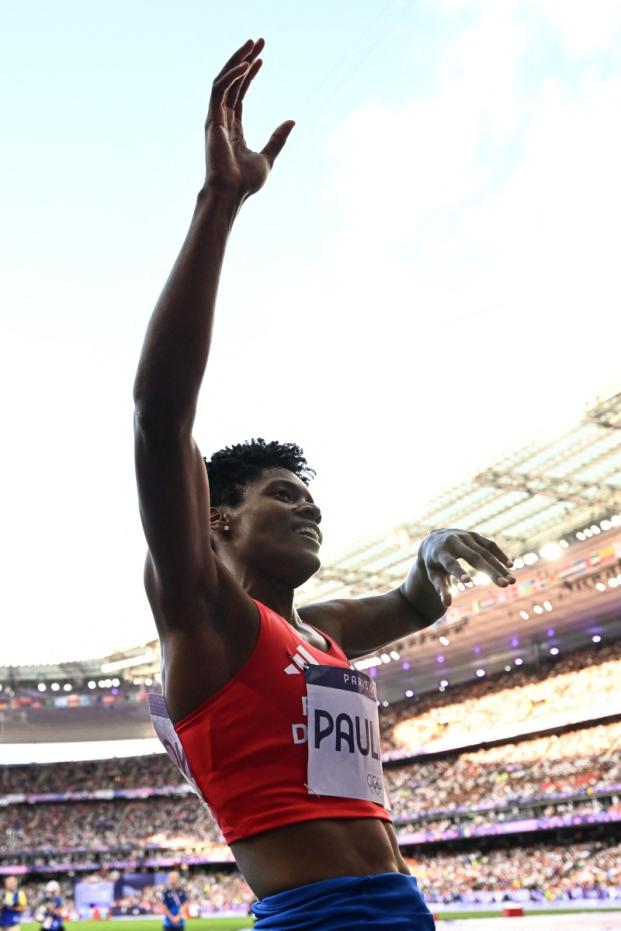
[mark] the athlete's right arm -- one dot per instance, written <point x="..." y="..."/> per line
<point x="172" y="480"/>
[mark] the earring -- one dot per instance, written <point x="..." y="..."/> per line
<point x="226" y="527"/>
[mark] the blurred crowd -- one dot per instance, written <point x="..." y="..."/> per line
<point x="547" y="872"/>
<point x="581" y="763"/>
<point x="464" y="714"/>
<point x="174" y="823"/>
<point x="574" y="773"/>
<point x="470" y="714"/>
<point x="535" y="873"/>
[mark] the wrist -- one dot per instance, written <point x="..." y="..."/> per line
<point x="225" y="197"/>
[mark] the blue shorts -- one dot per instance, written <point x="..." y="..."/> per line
<point x="385" y="900"/>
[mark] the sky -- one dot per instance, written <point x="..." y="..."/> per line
<point x="429" y="279"/>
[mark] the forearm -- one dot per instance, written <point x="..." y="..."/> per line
<point x="421" y="595"/>
<point x="176" y="346"/>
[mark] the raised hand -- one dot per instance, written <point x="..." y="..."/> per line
<point x="231" y="165"/>
<point x="441" y="551"/>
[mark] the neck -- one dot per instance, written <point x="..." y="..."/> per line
<point x="276" y="595"/>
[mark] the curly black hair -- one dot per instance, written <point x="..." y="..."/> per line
<point x="233" y="468"/>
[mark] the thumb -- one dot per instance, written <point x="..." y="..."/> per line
<point x="277" y="141"/>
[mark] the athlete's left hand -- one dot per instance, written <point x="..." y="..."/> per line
<point x="441" y="550"/>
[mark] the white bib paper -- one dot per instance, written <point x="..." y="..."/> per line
<point x="344" y="756"/>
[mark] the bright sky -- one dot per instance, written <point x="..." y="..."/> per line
<point x="429" y="279"/>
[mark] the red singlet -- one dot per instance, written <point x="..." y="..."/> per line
<point x="246" y="745"/>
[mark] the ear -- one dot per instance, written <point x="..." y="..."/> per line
<point x="218" y="521"/>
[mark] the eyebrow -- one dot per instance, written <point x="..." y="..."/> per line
<point x="290" y="484"/>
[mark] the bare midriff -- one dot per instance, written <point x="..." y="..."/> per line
<point x="310" y="851"/>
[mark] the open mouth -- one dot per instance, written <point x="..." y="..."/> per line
<point x="310" y="532"/>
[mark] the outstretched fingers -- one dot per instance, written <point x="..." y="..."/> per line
<point x="221" y="88"/>
<point x="238" y="92"/>
<point x="237" y="57"/>
<point x="240" y="89"/>
<point x="277" y="141"/>
<point x="230" y="79"/>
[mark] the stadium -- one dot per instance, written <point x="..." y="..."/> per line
<point x="501" y="724"/>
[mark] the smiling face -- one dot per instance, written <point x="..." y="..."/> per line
<point x="275" y="529"/>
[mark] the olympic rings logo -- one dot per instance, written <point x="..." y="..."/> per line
<point x="374" y="783"/>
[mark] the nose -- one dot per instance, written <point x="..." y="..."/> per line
<point x="310" y="510"/>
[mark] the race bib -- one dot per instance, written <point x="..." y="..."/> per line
<point x="344" y="756"/>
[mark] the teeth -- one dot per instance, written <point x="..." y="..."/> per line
<point x="307" y="532"/>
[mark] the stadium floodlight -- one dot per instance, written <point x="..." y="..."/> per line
<point x="580" y="536"/>
<point x="116" y="683"/>
<point x="444" y="641"/>
<point x="600" y="586"/>
<point x="385" y="658"/>
<point x="537" y="609"/>
<point x="563" y="543"/>
<point x="547" y="605"/>
<point x="554" y="651"/>
<point x="102" y="683"/>
<point x="394" y="655"/>
<point x="595" y="529"/>
<point x="551" y="551"/>
<point x="480" y="673"/>
<point x="440" y="658"/>
<point x="596" y="638"/>
<point x="67" y="687"/>
<point x="508" y="668"/>
<point x="405" y="666"/>
<point x="524" y="615"/>
<point x="613" y="582"/>
<point x="550" y="631"/>
<point x="530" y="559"/>
<point x="444" y="683"/>
<point x="409" y="693"/>
<point x="42" y="686"/>
<point x="385" y="703"/>
<point x="92" y="684"/>
<point x="148" y="681"/>
<point x="55" y="687"/>
<point x="518" y="563"/>
<point x="518" y="661"/>
<point x="606" y="525"/>
<point x="615" y="520"/>
<point x="588" y="533"/>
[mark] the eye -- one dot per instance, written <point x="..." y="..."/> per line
<point x="281" y="493"/>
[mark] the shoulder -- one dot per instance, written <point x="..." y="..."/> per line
<point x="327" y="617"/>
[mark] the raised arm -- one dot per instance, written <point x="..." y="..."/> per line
<point x="172" y="480"/>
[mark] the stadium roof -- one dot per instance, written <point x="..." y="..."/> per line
<point x="537" y="494"/>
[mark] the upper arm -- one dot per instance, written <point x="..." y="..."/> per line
<point x="364" y="625"/>
<point x="173" y="493"/>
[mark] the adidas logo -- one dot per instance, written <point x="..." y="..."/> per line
<point x="301" y="658"/>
